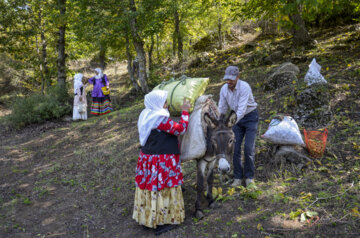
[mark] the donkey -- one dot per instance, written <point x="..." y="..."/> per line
<point x="220" y="141"/>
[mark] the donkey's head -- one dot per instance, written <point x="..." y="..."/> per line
<point x="221" y="138"/>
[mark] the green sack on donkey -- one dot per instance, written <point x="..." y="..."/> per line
<point x="183" y="87"/>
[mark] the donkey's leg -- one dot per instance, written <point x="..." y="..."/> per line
<point x="201" y="165"/>
<point x="210" y="181"/>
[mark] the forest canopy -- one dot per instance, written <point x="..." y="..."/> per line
<point x="38" y="38"/>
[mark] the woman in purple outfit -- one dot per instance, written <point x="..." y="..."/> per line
<point x="101" y="103"/>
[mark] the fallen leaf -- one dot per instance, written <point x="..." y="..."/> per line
<point x="231" y="191"/>
<point x="355" y="211"/>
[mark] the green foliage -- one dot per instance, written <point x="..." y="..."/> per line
<point x="155" y="78"/>
<point x="37" y="107"/>
<point x="311" y="11"/>
<point x="26" y="201"/>
<point x="329" y="11"/>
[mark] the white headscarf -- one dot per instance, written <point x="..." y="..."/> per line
<point x="100" y="74"/>
<point x="153" y="114"/>
<point x="78" y="81"/>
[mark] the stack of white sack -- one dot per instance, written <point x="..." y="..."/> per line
<point x="283" y="130"/>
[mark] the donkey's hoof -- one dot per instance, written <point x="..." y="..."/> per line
<point x="199" y="214"/>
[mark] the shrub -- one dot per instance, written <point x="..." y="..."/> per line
<point x="38" y="108"/>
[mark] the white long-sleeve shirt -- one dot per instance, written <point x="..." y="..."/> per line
<point x="241" y="100"/>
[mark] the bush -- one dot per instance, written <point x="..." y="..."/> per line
<point x="38" y="108"/>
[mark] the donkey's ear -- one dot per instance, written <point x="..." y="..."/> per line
<point x="231" y="120"/>
<point x="210" y="121"/>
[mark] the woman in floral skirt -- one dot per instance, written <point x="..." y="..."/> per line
<point x="158" y="200"/>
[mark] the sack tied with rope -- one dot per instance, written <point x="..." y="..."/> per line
<point x="183" y="87"/>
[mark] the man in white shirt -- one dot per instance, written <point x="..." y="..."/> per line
<point x="237" y="95"/>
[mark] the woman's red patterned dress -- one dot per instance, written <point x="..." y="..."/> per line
<point x="155" y="172"/>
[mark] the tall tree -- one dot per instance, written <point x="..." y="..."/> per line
<point x="38" y="22"/>
<point x="177" y="33"/>
<point x="150" y="52"/>
<point x="23" y="35"/>
<point x="139" y="47"/>
<point x="61" y="43"/>
<point x="300" y="33"/>
<point x="130" y="65"/>
<point x="94" y="24"/>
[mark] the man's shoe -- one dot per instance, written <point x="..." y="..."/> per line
<point x="236" y="183"/>
<point x="249" y="181"/>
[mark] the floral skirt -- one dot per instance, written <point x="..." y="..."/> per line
<point x="158" y="171"/>
<point x="159" y="208"/>
<point x="101" y="105"/>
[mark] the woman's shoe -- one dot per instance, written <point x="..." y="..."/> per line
<point x="164" y="228"/>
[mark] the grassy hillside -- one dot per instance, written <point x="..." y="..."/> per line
<point x="76" y="179"/>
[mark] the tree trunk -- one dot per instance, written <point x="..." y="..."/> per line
<point x="157" y="49"/>
<point x="151" y="49"/>
<point x="219" y="10"/>
<point x="178" y="35"/>
<point x="45" y="69"/>
<point x="44" y="59"/>
<point x="129" y="66"/>
<point x="139" y="47"/>
<point x="102" y="56"/>
<point x="174" y="44"/>
<point x="61" y="46"/>
<point x="220" y="33"/>
<point x="300" y="33"/>
<point x="40" y="65"/>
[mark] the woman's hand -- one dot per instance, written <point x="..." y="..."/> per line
<point x="186" y="105"/>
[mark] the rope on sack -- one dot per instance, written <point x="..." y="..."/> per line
<point x="182" y="80"/>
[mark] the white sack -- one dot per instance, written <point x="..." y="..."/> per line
<point x="283" y="132"/>
<point x="193" y="143"/>
<point x="313" y="75"/>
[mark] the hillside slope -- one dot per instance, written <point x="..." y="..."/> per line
<point x="76" y="179"/>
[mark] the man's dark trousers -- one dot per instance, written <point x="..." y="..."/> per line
<point x="246" y="127"/>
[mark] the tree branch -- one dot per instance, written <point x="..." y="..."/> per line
<point x="318" y="199"/>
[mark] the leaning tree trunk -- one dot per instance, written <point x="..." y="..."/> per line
<point x="300" y="33"/>
<point x="139" y="47"/>
<point x="178" y="35"/>
<point x="129" y="66"/>
<point x="61" y="46"/>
